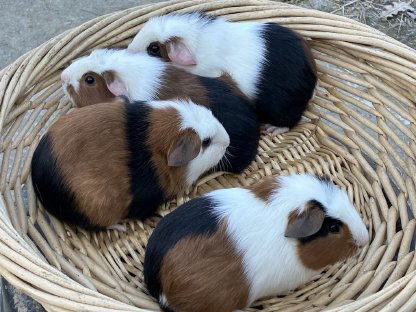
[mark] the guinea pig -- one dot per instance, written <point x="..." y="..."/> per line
<point x="103" y="163"/>
<point x="271" y="64"/>
<point x="105" y="74"/>
<point x="224" y="250"/>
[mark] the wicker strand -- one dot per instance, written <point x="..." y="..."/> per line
<point x="360" y="130"/>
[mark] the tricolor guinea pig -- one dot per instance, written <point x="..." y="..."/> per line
<point x="110" y="161"/>
<point x="105" y="74"/>
<point x="271" y="64"/>
<point x="224" y="250"/>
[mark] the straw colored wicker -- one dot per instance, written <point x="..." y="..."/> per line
<point x="360" y="130"/>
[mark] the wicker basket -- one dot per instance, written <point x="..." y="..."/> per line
<point x="360" y="130"/>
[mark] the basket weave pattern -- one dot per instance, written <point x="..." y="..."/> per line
<point x="360" y="130"/>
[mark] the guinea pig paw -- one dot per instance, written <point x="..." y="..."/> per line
<point x="275" y="130"/>
<point x="118" y="227"/>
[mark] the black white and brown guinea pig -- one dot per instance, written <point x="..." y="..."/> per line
<point x="271" y="64"/>
<point x="110" y="161"/>
<point x="224" y="250"/>
<point x="104" y="74"/>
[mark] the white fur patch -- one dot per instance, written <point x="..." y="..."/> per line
<point x="257" y="229"/>
<point x="218" y="46"/>
<point x="139" y="72"/>
<point x="163" y="301"/>
<point x="206" y="126"/>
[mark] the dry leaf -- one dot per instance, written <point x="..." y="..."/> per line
<point x="396" y="8"/>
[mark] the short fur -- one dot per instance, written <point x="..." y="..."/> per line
<point x="273" y="264"/>
<point x="264" y="188"/>
<point x="193" y="218"/>
<point x="98" y="91"/>
<point x="51" y="190"/>
<point x="288" y="77"/>
<point x="181" y="84"/>
<point x="102" y="62"/>
<point x="240" y="122"/>
<point x="228" y="104"/>
<point x="214" y="261"/>
<point x="276" y="70"/>
<point x="105" y="164"/>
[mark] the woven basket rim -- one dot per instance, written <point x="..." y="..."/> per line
<point x="25" y="268"/>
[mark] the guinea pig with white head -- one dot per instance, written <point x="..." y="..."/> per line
<point x="224" y="250"/>
<point x="108" y="73"/>
<point x="271" y="64"/>
<point x="106" y="162"/>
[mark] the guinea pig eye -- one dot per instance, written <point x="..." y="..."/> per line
<point x="206" y="142"/>
<point x="89" y="80"/>
<point x="153" y="49"/>
<point x="333" y="227"/>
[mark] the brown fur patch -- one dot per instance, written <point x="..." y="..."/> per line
<point x="328" y="249"/>
<point x="204" y="274"/>
<point x="309" y="54"/>
<point x="90" y="94"/>
<point x="179" y="84"/>
<point x="98" y="175"/>
<point x="163" y="132"/>
<point x="233" y="85"/>
<point x="264" y="188"/>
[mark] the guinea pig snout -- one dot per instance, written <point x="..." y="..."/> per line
<point x="362" y="239"/>
<point x="226" y="141"/>
<point x="65" y="78"/>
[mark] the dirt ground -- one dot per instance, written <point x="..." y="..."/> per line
<point x="401" y="26"/>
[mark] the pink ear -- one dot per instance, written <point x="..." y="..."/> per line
<point x="117" y="87"/>
<point x="179" y="53"/>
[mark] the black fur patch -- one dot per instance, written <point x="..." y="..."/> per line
<point x="50" y="188"/>
<point x="239" y="120"/>
<point x="192" y="218"/>
<point x="166" y="309"/>
<point x="287" y="80"/>
<point x="145" y="187"/>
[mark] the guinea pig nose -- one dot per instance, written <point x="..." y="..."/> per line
<point x="362" y="240"/>
<point x="64" y="78"/>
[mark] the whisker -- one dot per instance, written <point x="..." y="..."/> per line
<point x="228" y="161"/>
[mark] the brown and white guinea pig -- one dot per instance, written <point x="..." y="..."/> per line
<point x="271" y="64"/>
<point x="104" y="74"/>
<point x="107" y="162"/>
<point x="224" y="250"/>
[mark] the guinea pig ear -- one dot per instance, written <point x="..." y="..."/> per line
<point x="115" y="84"/>
<point x="305" y="224"/>
<point x="184" y="149"/>
<point x="179" y="53"/>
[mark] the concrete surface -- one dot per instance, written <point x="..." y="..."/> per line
<point x="25" y="24"/>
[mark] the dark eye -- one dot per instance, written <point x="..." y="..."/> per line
<point x="90" y="80"/>
<point x="206" y="142"/>
<point x="333" y="227"/>
<point x="153" y="49"/>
